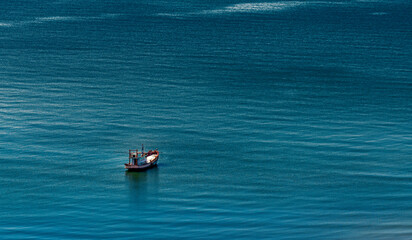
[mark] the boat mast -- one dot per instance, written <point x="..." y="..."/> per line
<point x="142" y="151"/>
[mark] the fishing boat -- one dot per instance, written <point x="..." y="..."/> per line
<point x="140" y="161"/>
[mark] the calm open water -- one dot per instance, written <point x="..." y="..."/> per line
<point x="275" y="120"/>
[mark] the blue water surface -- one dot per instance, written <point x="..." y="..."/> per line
<point x="274" y="119"/>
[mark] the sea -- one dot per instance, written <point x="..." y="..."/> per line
<point x="274" y="119"/>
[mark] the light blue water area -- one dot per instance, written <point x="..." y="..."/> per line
<point x="274" y="120"/>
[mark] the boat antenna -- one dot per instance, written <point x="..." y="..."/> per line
<point x="142" y="151"/>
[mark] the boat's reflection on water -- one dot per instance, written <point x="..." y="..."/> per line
<point x="142" y="185"/>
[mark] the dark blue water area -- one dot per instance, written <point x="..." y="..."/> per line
<point x="274" y="120"/>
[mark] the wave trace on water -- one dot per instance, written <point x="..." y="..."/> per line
<point x="254" y="7"/>
<point x="271" y="7"/>
<point x="43" y="20"/>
